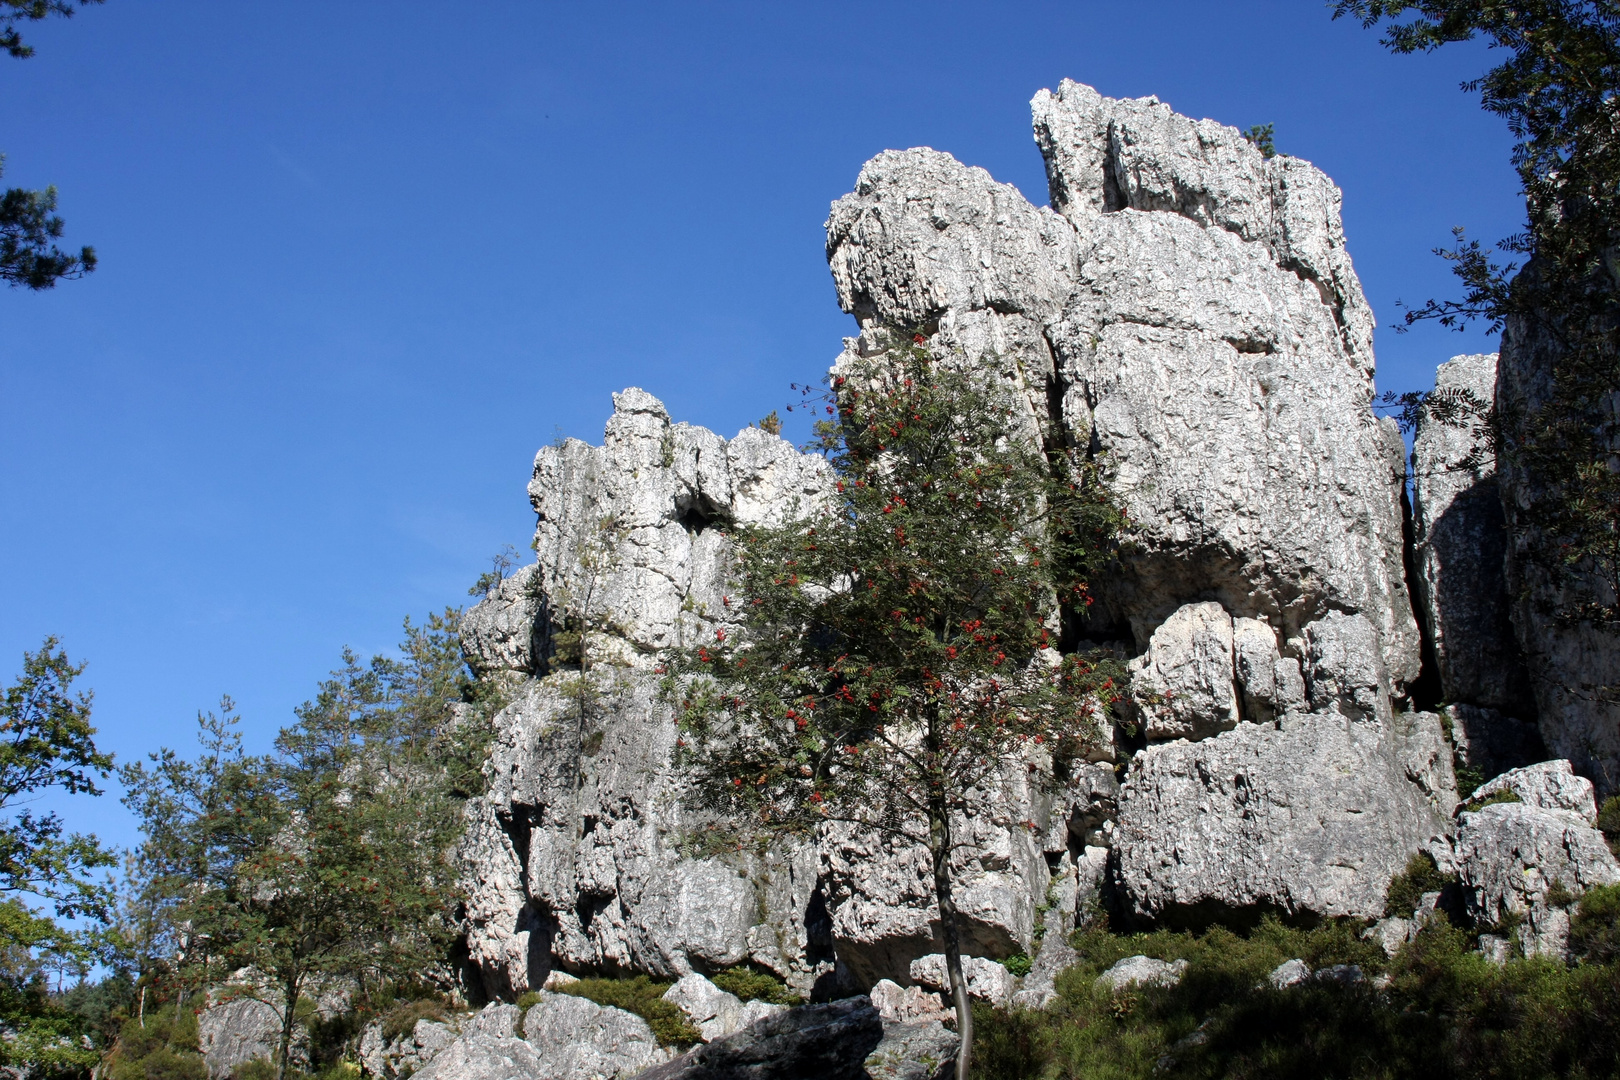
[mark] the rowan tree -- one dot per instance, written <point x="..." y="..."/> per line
<point x="889" y="651"/>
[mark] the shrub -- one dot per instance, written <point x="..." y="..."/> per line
<point x="164" y="1048"/>
<point x="1608" y="822"/>
<point x="1594" y="932"/>
<point x="1018" y="964"/>
<point x="645" y="998"/>
<point x="1406" y="888"/>
<point x="1506" y="795"/>
<point x="401" y="1019"/>
<point x="752" y="984"/>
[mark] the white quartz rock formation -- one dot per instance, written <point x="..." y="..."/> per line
<point x="1313" y="818"/>
<point x="1510" y="855"/>
<point x="1461" y="585"/>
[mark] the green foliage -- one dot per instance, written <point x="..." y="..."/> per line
<point x="1594" y="930"/>
<point x="401" y="1019"/>
<point x="327" y="859"/>
<point x="1555" y="88"/>
<point x="1017" y="964"/>
<point x="753" y="984"/>
<point x="1446" y="1013"/>
<point x="500" y="566"/>
<point x="645" y="998"/>
<point x="162" y="1046"/>
<point x="100" y="1006"/>
<point x="1261" y="137"/>
<point x="14" y="12"/>
<point x="1406" y="888"/>
<point x="888" y="653"/>
<point x="772" y="424"/>
<point x="1608" y="822"/>
<point x="1495" y="798"/>
<point x="47" y="744"/>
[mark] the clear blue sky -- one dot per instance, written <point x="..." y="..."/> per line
<point x="360" y="260"/>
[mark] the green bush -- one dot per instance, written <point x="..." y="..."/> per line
<point x="1406" y="889"/>
<point x="401" y="1019"/>
<point x="1018" y="964"/>
<point x="1594" y="931"/>
<point x="752" y="984"/>
<point x="1444" y="1013"/>
<point x="1608" y="822"/>
<point x="164" y="1047"/>
<point x="1506" y="795"/>
<point x="645" y="998"/>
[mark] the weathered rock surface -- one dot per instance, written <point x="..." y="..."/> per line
<point x="1510" y="855"/>
<point x="829" y="1041"/>
<point x="1315" y="817"/>
<point x="1141" y="971"/>
<point x="1039" y="987"/>
<point x="986" y="979"/>
<point x="579" y="1038"/>
<point x="404" y="1056"/>
<point x="713" y="1011"/>
<point x="1289" y="973"/>
<point x="1461" y="535"/>
<point x="900" y="1004"/>
<point x="917" y="1050"/>
<point x="1571" y="662"/>
<point x="1551" y="785"/>
<point x="1187" y="309"/>
<point x="238" y="1031"/>
<point x="1182" y="687"/>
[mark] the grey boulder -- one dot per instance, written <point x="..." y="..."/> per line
<point x="829" y="1041"/>
<point x="1141" y="971"/>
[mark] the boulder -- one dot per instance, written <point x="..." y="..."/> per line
<point x="1141" y="971"/>
<point x="1551" y="785"/>
<point x="829" y="1041"/>
<point x="1461" y="546"/>
<point x="986" y="979"/>
<point x="898" y="1004"/>
<point x="916" y="1050"/>
<point x="406" y="1055"/>
<point x="1509" y="857"/>
<point x="713" y="1011"/>
<point x="498" y="633"/>
<point x="1039" y="987"/>
<point x="1314" y="818"/>
<point x="1289" y="973"/>
<point x="1182" y="687"/>
<point x="575" y="1037"/>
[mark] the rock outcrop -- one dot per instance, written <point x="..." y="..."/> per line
<point x="1186" y="313"/>
<point x="830" y="1041"/>
<point x="1575" y="664"/>
<point x="1461" y="537"/>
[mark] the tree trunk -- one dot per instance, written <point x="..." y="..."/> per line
<point x="939" y="835"/>
<point x="288" y="1014"/>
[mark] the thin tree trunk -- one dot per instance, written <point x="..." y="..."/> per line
<point x="288" y="1013"/>
<point x="939" y="834"/>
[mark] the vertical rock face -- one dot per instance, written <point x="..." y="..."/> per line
<point x="1575" y="667"/>
<point x="1461" y="584"/>
<point x="1188" y="310"/>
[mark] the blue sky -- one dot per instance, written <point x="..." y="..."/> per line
<point x="360" y="260"/>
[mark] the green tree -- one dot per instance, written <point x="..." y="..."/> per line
<point x="326" y="860"/>
<point x="29" y="225"/>
<point x="894" y="648"/>
<point x="46" y="873"/>
<point x="1556" y="88"/>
